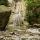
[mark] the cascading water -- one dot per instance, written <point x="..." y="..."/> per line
<point x="18" y="18"/>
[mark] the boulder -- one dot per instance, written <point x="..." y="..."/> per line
<point x="4" y="16"/>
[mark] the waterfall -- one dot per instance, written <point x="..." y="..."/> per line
<point x="17" y="14"/>
<point x="18" y="19"/>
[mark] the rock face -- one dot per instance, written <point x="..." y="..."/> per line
<point x="4" y="16"/>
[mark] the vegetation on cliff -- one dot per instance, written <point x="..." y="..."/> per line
<point x="33" y="11"/>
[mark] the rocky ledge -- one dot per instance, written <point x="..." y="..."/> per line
<point x="4" y="16"/>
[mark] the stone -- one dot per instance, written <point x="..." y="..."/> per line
<point x="4" y="16"/>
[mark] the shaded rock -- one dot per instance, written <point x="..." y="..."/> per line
<point x="4" y="16"/>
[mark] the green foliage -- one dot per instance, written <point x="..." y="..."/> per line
<point x="33" y="4"/>
<point x="4" y="2"/>
<point x="33" y="8"/>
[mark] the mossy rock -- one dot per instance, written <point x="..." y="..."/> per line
<point x="4" y="9"/>
<point x="4" y="16"/>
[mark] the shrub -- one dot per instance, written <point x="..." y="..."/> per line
<point x="32" y="11"/>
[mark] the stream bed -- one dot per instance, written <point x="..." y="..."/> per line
<point x="29" y="34"/>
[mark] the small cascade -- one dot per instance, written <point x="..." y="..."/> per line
<point x="18" y="19"/>
<point x="17" y="14"/>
